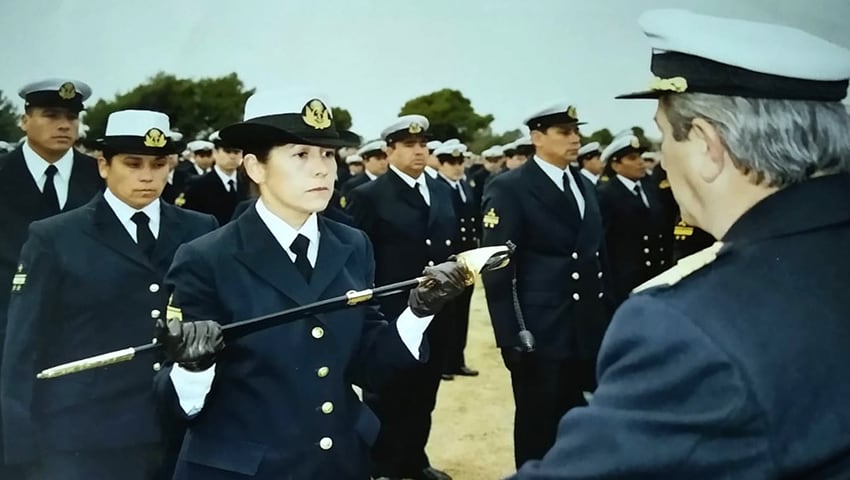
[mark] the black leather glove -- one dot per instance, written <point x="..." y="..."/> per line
<point x="192" y="345"/>
<point x="445" y="282"/>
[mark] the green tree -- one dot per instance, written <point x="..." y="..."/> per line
<point x="342" y="118"/>
<point x="196" y="107"/>
<point x="603" y="136"/>
<point x="450" y="113"/>
<point x="485" y="139"/>
<point x="9" y="116"/>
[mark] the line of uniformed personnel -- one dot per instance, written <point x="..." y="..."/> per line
<point x="98" y="259"/>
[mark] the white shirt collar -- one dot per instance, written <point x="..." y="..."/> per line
<point x="171" y="177"/>
<point x="452" y="183"/>
<point x="410" y="180"/>
<point x="37" y="165"/>
<point x="285" y="234"/>
<point x="198" y="169"/>
<point x="431" y="171"/>
<point x="226" y="178"/>
<point x="630" y="184"/>
<point x="593" y="178"/>
<point x="125" y="213"/>
<point x="371" y="175"/>
<point x="553" y="172"/>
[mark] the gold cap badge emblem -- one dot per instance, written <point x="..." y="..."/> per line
<point x="414" y="128"/>
<point x="675" y="84"/>
<point x="635" y="142"/>
<point x="572" y="113"/>
<point x="67" y="91"/>
<point x="316" y="114"/>
<point x="155" y="138"/>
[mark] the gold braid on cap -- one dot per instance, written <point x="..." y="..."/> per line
<point x="675" y="84"/>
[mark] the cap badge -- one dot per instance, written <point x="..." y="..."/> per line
<point x="414" y="128"/>
<point x="155" y="138"/>
<point x="456" y="152"/>
<point x="635" y="143"/>
<point x="316" y="114"/>
<point x="67" y="91"/>
<point x="571" y="112"/>
<point x="675" y="84"/>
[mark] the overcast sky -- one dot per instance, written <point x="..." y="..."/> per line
<point x="508" y="56"/>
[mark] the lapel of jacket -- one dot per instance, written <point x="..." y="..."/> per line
<point x="171" y="235"/>
<point x="19" y="186"/>
<point x="108" y="230"/>
<point x="262" y="254"/>
<point x="84" y="182"/>
<point x="542" y="187"/>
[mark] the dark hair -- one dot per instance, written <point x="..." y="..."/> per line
<point x="586" y="157"/>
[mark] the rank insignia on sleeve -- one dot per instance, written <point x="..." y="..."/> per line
<point x="180" y="200"/>
<point x="490" y="219"/>
<point x="19" y="279"/>
<point x="682" y="231"/>
<point x="664" y="184"/>
<point x="343" y="202"/>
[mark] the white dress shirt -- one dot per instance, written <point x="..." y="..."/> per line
<point x="37" y="167"/>
<point x="125" y="213"/>
<point x="557" y="176"/>
<point x="593" y="178"/>
<point x="431" y="171"/>
<point x="455" y="184"/>
<point x="371" y="175"/>
<point x="171" y="177"/>
<point x="226" y="178"/>
<point x="630" y="184"/>
<point x="423" y="184"/>
<point x="192" y="387"/>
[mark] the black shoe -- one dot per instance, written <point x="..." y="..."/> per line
<point x="447" y="376"/>
<point x="431" y="473"/>
<point x="466" y="372"/>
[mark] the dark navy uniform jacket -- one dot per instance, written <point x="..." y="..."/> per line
<point x="639" y="239"/>
<point x="406" y="232"/>
<point x="559" y="263"/>
<point x="207" y="194"/>
<point x="86" y="288"/>
<point x="739" y="370"/>
<point x="281" y="404"/>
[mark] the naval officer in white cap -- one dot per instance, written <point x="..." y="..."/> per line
<point x="410" y="219"/>
<point x="556" y="279"/>
<point x="89" y="281"/>
<point x="43" y="175"/>
<point x="733" y="363"/>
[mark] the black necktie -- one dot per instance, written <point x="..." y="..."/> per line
<point x="418" y="188"/>
<point x="571" y="199"/>
<point x="302" y="263"/>
<point x="459" y="193"/>
<point x="640" y="197"/>
<point x="144" y="236"/>
<point x="49" y="192"/>
<point x="231" y="188"/>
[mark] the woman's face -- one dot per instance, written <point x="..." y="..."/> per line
<point x="295" y="180"/>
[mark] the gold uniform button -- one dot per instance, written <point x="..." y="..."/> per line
<point x="428" y="242"/>
<point x="323" y="372"/>
<point x="646" y="238"/>
<point x="430" y="263"/>
<point x="576" y="297"/>
<point x="327" y="408"/>
<point x="645" y="250"/>
<point x="463" y="229"/>
<point x="326" y="443"/>
<point x="597" y="254"/>
<point x="576" y="276"/>
<point x="157" y="367"/>
<point x="448" y="243"/>
<point x="155" y="314"/>
<point x="601" y="294"/>
<point x="599" y="275"/>
<point x="462" y="239"/>
<point x="575" y="255"/>
<point x="318" y="332"/>
<point x="648" y="263"/>
<point x="472" y="219"/>
<point x="462" y="220"/>
<point x="154" y="287"/>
